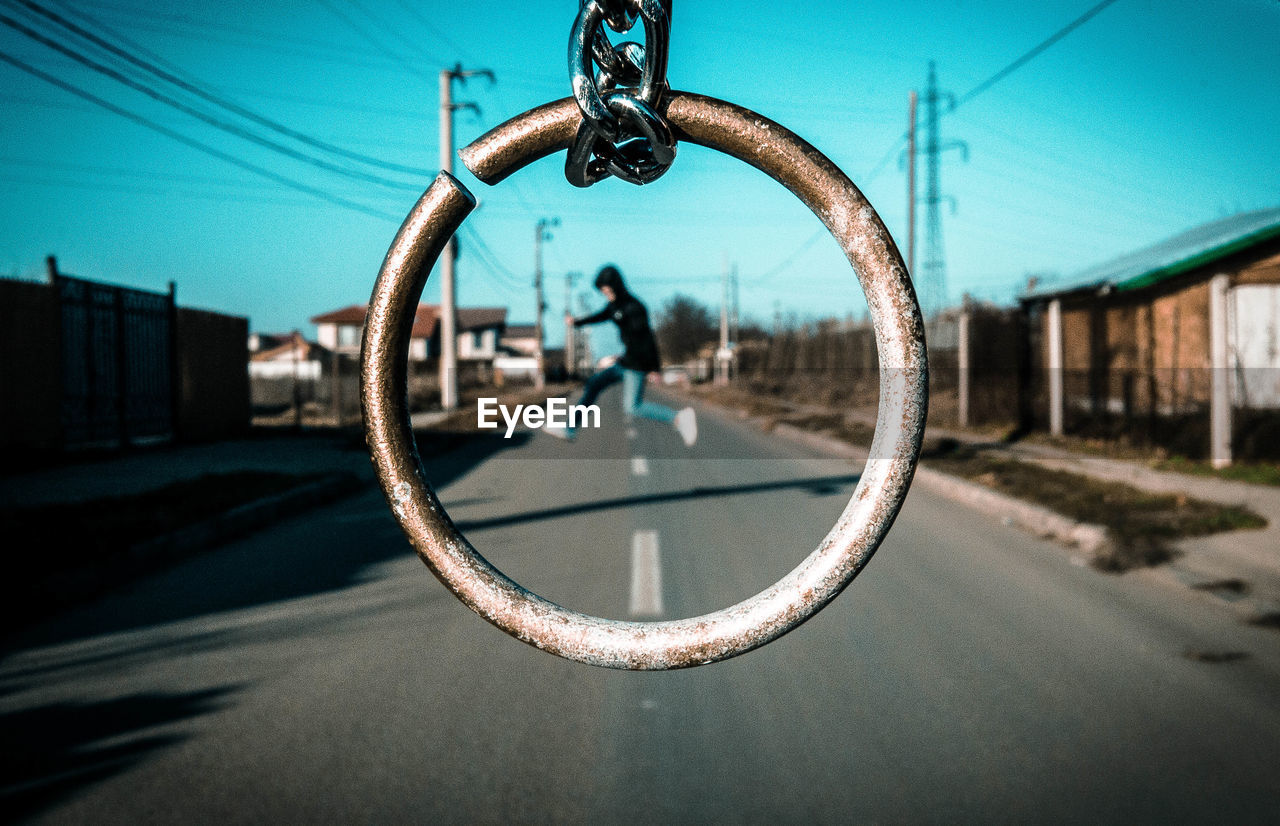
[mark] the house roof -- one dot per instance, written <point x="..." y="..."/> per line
<point x="285" y="347"/>
<point x="480" y="318"/>
<point x="1172" y="257"/>
<point x="520" y="331"/>
<point x="425" y="319"/>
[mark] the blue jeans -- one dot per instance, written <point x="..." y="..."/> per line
<point x="633" y="403"/>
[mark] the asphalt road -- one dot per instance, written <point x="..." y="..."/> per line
<point x="317" y="673"/>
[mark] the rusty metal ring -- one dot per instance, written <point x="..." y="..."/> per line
<point x="820" y="576"/>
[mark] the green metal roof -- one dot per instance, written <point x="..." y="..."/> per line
<point x="1180" y="254"/>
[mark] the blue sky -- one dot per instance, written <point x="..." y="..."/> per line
<point x="1151" y="118"/>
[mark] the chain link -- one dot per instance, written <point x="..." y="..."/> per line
<point x="622" y="132"/>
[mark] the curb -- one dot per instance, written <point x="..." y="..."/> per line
<point x="1040" y="521"/>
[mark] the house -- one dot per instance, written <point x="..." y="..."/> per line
<point x="478" y="331"/>
<point x="1178" y="343"/>
<point x="273" y="355"/>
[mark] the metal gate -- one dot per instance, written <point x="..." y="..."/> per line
<point x="117" y="364"/>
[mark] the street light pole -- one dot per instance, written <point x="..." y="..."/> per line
<point x="570" y="337"/>
<point x="911" y="186"/>
<point x="448" y="259"/>
<point x="540" y="235"/>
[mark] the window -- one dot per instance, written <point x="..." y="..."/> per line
<point x="477" y="341"/>
<point x="348" y="335"/>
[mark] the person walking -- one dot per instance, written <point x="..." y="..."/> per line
<point x="639" y="358"/>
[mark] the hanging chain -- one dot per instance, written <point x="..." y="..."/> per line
<point x="622" y="134"/>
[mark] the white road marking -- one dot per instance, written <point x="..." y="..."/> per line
<point x="646" y="575"/>
<point x="639" y="466"/>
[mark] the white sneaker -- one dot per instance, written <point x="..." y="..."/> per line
<point x="560" y="432"/>
<point x="686" y="425"/>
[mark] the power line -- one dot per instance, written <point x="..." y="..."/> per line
<point x="206" y="32"/>
<point x="373" y="41"/>
<point x="1032" y="53"/>
<point x="415" y="49"/>
<point x="195" y="144"/>
<point x="219" y="100"/>
<point x="438" y="32"/>
<point x="207" y="118"/>
<point x="111" y="186"/>
<point x="484" y="251"/>
<point x="993" y="80"/>
<point x="884" y="161"/>
<point x="789" y="260"/>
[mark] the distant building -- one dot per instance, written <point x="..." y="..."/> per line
<point x="289" y="354"/>
<point x="1178" y="342"/>
<point x="478" y="332"/>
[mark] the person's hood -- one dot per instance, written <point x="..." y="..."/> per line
<point x="611" y="278"/>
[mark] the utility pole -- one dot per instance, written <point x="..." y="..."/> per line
<point x="911" y="186"/>
<point x="733" y="315"/>
<point x="570" y="348"/>
<point x="540" y="234"/>
<point x="932" y="284"/>
<point x="449" y="258"/>
<point x="724" y="353"/>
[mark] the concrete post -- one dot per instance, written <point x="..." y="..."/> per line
<point x="1056" y="395"/>
<point x="1219" y="349"/>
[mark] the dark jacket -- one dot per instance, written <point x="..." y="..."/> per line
<point x="640" y="349"/>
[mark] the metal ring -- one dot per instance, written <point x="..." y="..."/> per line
<point x="757" y="620"/>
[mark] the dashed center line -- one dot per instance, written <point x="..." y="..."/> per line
<point x="639" y="466"/>
<point x="646" y="575"/>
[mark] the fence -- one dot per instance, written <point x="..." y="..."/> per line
<point x="323" y="389"/>
<point x="116" y="351"/>
<point x="830" y="361"/>
<point x="89" y="365"/>
<point x="976" y="360"/>
<point x="978" y="366"/>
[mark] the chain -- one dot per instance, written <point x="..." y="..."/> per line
<point x="622" y="134"/>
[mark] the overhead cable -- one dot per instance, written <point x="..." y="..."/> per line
<point x="198" y="145"/>
<point x="207" y="118"/>
<point x="219" y="100"/>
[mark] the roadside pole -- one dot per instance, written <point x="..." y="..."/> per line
<point x="448" y="258"/>
<point x="540" y="234"/>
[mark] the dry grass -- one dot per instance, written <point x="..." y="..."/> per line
<point x="1141" y="525"/>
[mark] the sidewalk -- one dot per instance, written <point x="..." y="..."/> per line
<point x="149" y="469"/>
<point x="1250" y="557"/>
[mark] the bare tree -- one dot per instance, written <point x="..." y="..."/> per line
<point x="685" y="326"/>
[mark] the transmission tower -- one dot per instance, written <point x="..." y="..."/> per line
<point x="932" y="283"/>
